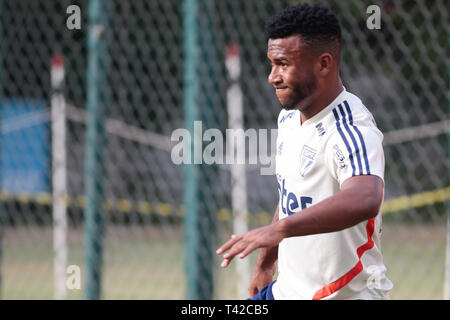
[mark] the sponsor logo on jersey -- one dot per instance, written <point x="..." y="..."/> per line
<point x="280" y="148"/>
<point x="307" y="159"/>
<point x="287" y="116"/>
<point x="320" y="129"/>
<point x="293" y="203"/>
<point x="339" y="156"/>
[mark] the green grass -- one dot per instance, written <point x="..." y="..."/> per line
<point x="415" y="257"/>
<point x="147" y="263"/>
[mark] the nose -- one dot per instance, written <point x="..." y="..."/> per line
<point x="274" y="76"/>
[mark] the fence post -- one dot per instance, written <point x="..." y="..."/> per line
<point x="238" y="173"/>
<point x="59" y="175"/>
<point x="199" y="105"/>
<point x="447" y="247"/>
<point x="97" y="57"/>
<point x="190" y="196"/>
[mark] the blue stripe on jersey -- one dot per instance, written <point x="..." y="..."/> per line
<point x="361" y="139"/>
<point x="338" y="126"/>
<point x="352" y="137"/>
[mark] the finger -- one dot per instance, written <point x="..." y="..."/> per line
<point x="249" y="249"/>
<point x="227" y="245"/>
<point x="230" y="255"/>
<point x="225" y="263"/>
<point x="237" y="248"/>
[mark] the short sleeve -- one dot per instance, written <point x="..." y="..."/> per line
<point x="355" y="150"/>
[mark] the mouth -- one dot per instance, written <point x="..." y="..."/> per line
<point x="279" y="89"/>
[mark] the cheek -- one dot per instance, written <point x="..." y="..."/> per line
<point x="306" y="78"/>
<point x="297" y="79"/>
<point x="293" y="77"/>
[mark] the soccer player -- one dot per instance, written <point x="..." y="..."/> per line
<point x="330" y="167"/>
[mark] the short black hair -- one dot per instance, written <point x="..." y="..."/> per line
<point x="316" y="24"/>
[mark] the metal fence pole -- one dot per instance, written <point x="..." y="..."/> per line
<point x="190" y="197"/>
<point x="95" y="145"/>
<point x="198" y="177"/>
<point x="447" y="248"/>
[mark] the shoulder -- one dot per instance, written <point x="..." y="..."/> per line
<point x="356" y="111"/>
<point x="352" y="120"/>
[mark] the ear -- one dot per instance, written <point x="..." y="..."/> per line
<point x="324" y="64"/>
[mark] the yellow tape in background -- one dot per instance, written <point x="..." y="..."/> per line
<point x="166" y="209"/>
<point x="416" y="200"/>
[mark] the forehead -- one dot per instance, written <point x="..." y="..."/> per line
<point x="285" y="46"/>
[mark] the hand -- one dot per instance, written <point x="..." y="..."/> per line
<point x="264" y="237"/>
<point x="261" y="277"/>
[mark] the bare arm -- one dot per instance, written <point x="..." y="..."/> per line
<point x="268" y="256"/>
<point x="265" y="266"/>
<point x="360" y="199"/>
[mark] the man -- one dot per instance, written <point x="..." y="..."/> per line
<point x="329" y="165"/>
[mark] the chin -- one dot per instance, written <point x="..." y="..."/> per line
<point x="287" y="107"/>
<point x="298" y="105"/>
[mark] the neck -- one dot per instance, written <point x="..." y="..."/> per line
<point x="322" y="101"/>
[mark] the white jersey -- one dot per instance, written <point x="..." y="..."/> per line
<point x="313" y="160"/>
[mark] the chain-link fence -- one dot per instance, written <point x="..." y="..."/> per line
<point x="150" y="246"/>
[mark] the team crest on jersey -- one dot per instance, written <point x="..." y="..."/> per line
<point x="307" y="159"/>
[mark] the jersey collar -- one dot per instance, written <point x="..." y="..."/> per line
<point x="322" y="113"/>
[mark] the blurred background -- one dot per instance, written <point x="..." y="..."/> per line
<point x="91" y="94"/>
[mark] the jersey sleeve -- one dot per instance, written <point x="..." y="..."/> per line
<point x="355" y="150"/>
